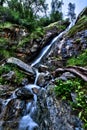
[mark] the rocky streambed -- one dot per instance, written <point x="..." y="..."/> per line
<point x="35" y="107"/>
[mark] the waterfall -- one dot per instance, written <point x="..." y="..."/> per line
<point x="48" y="113"/>
<point x="47" y="48"/>
<point x="27" y="122"/>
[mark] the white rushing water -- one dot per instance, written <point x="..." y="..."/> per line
<point x="37" y="75"/>
<point x="27" y="123"/>
<point x="47" y="48"/>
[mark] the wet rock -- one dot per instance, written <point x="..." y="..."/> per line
<point x="24" y="94"/>
<point x="11" y="111"/>
<point x="43" y="119"/>
<point x="35" y="90"/>
<point x="43" y="79"/>
<point x="24" y="81"/>
<point x="43" y="68"/>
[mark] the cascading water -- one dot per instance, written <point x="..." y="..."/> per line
<point x="27" y="122"/>
<point x="47" y="48"/>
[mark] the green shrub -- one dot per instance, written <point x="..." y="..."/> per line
<point x="63" y="90"/>
<point x="3" y="41"/>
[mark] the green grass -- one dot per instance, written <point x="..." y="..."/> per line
<point x="39" y="32"/>
<point x="5" y="25"/>
<point x="64" y="88"/>
<point x="19" y="75"/>
<point x="80" y="60"/>
<point x="5" y="53"/>
<point x="36" y="34"/>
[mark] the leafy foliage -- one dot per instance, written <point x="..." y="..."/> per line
<point x="27" y="13"/>
<point x="56" y="13"/>
<point x="63" y="90"/>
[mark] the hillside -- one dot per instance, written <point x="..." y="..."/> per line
<point x="63" y="73"/>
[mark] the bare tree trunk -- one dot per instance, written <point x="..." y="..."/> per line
<point x="79" y="71"/>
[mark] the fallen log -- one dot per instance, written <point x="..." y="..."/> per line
<point x="79" y="71"/>
<point x="21" y="64"/>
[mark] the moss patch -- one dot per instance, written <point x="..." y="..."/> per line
<point x="18" y="77"/>
<point x="79" y="26"/>
<point x="81" y="60"/>
<point x="56" y="25"/>
<point x="5" y="25"/>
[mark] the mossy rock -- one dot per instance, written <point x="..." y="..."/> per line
<point x="79" y="26"/>
<point x="60" y="25"/>
<point x="81" y="60"/>
<point x="18" y="74"/>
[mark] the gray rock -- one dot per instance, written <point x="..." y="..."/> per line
<point x="73" y="96"/>
<point x="34" y="48"/>
<point x="24" y="94"/>
<point x="43" y="79"/>
<point x="21" y="64"/>
<point x="9" y="75"/>
<point x="43" y="68"/>
<point x="24" y="81"/>
<point x="68" y="75"/>
<point x="85" y="35"/>
<point x="62" y="78"/>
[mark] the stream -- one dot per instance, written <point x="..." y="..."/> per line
<point x="42" y="112"/>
